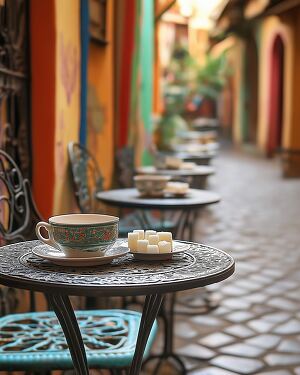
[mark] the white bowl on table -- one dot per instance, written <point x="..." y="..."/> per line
<point x="151" y="185"/>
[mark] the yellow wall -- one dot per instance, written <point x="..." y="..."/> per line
<point x="270" y="27"/>
<point x="101" y="119"/>
<point x="234" y="48"/>
<point x="236" y="58"/>
<point x="67" y="100"/>
<point x="198" y="43"/>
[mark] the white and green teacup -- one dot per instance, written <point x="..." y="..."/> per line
<point x="80" y="235"/>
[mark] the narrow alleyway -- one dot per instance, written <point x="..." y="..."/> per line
<point x="256" y="328"/>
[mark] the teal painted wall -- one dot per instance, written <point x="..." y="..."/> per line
<point x="146" y="60"/>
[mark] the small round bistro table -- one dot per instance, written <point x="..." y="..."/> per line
<point x="187" y="205"/>
<point x="195" y="135"/>
<point x="200" y="158"/>
<point x="196" y="147"/>
<point x="203" y="124"/>
<point x="197" y="176"/>
<point x="197" y="267"/>
<point x="199" y="170"/>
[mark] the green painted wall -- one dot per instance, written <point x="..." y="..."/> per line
<point x="146" y="59"/>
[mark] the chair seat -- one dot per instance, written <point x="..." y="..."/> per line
<point x="35" y="340"/>
<point x="135" y="220"/>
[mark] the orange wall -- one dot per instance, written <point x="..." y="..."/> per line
<point x="55" y="87"/>
<point x="100" y="124"/>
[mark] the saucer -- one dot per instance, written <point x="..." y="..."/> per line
<point x="178" y="247"/>
<point x="58" y="257"/>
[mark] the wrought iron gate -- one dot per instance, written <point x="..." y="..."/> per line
<point x="14" y="82"/>
<point x="14" y="105"/>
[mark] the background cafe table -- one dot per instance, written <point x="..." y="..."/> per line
<point x="199" y="266"/>
<point x="187" y="206"/>
<point x="200" y="158"/>
<point x="197" y="176"/>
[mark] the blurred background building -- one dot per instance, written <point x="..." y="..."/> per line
<point x="102" y="72"/>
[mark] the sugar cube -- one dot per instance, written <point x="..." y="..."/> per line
<point x="140" y="233"/>
<point x="149" y="233"/>
<point x="165" y="247"/>
<point x="132" y="241"/>
<point x="142" y="246"/>
<point x="164" y="236"/>
<point x="153" y="239"/>
<point x="152" y="249"/>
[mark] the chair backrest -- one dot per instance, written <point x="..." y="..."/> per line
<point x="18" y="212"/>
<point x="86" y="176"/>
<point x="18" y="217"/>
<point x="125" y="167"/>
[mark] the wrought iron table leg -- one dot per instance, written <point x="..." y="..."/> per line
<point x="191" y="224"/>
<point x="181" y="224"/>
<point x="150" y="311"/>
<point x="64" y="311"/>
<point x="167" y="315"/>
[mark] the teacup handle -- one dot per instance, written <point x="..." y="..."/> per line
<point x="49" y="241"/>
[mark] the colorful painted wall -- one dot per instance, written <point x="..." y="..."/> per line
<point x="113" y="109"/>
<point x="235" y="49"/>
<point x="100" y="103"/>
<point x="264" y="35"/>
<point x="134" y="82"/>
<point x="43" y="74"/>
<point x="67" y="114"/>
<point x="55" y="60"/>
<point x="147" y="60"/>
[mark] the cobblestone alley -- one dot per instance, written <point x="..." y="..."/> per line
<point x="256" y="327"/>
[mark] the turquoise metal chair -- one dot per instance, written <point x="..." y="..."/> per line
<point x="34" y="341"/>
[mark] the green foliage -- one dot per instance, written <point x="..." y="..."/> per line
<point x="185" y="76"/>
<point x="212" y="77"/>
<point x="183" y="67"/>
<point x="184" y="81"/>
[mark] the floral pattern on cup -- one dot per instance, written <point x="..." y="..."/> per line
<point x="85" y="236"/>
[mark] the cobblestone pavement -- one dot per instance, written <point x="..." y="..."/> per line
<point x="256" y="328"/>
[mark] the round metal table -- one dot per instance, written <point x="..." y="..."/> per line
<point x="195" y="135"/>
<point x="199" y="170"/>
<point x="200" y="158"/>
<point x="196" y="147"/>
<point x="187" y="206"/>
<point x="197" y="176"/>
<point x="203" y="124"/>
<point x="199" y="266"/>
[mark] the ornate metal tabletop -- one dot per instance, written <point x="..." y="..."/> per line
<point x="130" y="198"/>
<point x="200" y="265"/>
<point x="199" y="170"/>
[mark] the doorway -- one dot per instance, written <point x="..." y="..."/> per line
<point x="276" y="96"/>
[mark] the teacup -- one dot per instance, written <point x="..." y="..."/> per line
<point x="80" y="235"/>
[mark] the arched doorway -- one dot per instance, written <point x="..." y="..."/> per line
<point x="251" y="94"/>
<point x="276" y="96"/>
